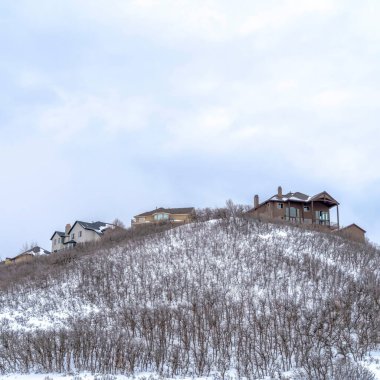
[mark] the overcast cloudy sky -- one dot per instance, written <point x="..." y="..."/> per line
<point x="110" y="108"/>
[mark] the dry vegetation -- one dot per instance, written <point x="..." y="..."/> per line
<point x="230" y="293"/>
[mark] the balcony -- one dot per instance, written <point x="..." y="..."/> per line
<point x="139" y="221"/>
<point x="318" y="222"/>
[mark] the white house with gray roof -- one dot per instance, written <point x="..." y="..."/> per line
<point x="80" y="232"/>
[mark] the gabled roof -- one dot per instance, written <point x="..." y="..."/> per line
<point x="35" y="251"/>
<point x="324" y="196"/>
<point x="59" y="233"/>
<point x="301" y="197"/>
<point x="297" y="197"/>
<point x="97" y="227"/>
<point x="181" y="211"/>
<point x="352" y="225"/>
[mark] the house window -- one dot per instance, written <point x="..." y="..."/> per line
<point x="322" y="217"/>
<point x="80" y="234"/>
<point x="59" y="240"/>
<point x="73" y="236"/>
<point x="55" y="241"/>
<point x="280" y="205"/>
<point x="306" y="208"/>
<point x="161" y="216"/>
<point x="292" y="213"/>
<point x="141" y="220"/>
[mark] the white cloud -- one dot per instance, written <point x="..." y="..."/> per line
<point x="110" y="114"/>
<point x="178" y="20"/>
<point x="284" y="13"/>
<point x="364" y="19"/>
<point x="195" y="79"/>
<point x="333" y="98"/>
<point x="169" y="19"/>
<point x="203" y="131"/>
<point x="209" y="131"/>
<point x="286" y="85"/>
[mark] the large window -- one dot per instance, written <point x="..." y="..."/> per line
<point x="292" y="213"/>
<point x="161" y="216"/>
<point x="322" y="217"/>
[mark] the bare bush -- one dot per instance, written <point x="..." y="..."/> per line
<point x="227" y="291"/>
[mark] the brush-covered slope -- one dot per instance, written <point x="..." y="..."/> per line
<point x="235" y="293"/>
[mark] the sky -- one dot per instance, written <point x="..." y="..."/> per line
<point x="110" y="108"/>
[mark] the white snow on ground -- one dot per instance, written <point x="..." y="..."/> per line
<point x="372" y="363"/>
<point x="88" y="376"/>
<point x="51" y="307"/>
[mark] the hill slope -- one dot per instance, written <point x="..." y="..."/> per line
<point x="237" y="294"/>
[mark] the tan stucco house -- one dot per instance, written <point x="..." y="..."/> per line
<point x="162" y="215"/>
<point x="80" y="232"/>
<point x="27" y="255"/>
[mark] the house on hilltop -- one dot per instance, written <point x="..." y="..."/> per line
<point x="298" y="208"/>
<point x="162" y="215"/>
<point x="305" y="209"/>
<point x="58" y="239"/>
<point x="80" y="232"/>
<point x="27" y="255"/>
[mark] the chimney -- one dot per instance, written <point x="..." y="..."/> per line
<point x="67" y="229"/>
<point x="256" y="201"/>
<point x="279" y="192"/>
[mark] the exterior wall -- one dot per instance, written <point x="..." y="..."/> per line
<point x="18" y="259"/>
<point x="271" y="210"/>
<point x="176" y="218"/>
<point x="87" y="235"/>
<point x="145" y="219"/>
<point x="23" y="258"/>
<point x="180" y="217"/>
<point x="353" y="232"/>
<point x="55" y="245"/>
<point x="264" y="211"/>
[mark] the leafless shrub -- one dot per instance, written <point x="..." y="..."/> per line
<point x="350" y="371"/>
<point x="200" y="299"/>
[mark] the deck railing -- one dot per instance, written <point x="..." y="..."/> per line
<point x="318" y="222"/>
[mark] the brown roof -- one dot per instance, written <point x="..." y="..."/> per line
<point x="325" y="197"/>
<point x="185" y="210"/>
<point x="300" y="197"/>
<point x="352" y="225"/>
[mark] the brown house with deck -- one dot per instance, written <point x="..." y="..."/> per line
<point x="300" y="208"/>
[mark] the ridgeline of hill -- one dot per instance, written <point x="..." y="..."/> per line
<point x="208" y="297"/>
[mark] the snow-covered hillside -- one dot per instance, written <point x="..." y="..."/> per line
<point x="230" y="295"/>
